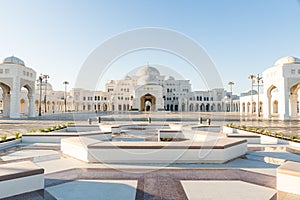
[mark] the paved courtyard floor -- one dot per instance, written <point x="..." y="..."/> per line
<point x="68" y="178"/>
<point x="250" y="177"/>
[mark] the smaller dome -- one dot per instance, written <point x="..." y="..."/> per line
<point x="287" y="60"/>
<point x="169" y="78"/>
<point x="127" y="78"/>
<point x="13" y="60"/>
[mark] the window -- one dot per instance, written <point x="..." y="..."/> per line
<point x="6" y="71"/>
<point x="1" y="71"/>
<point x="83" y="98"/>
<point x="293" y="71"/>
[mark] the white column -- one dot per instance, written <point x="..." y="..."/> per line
<point x="14" y="104"/>
<point x="293" y="105"/>
<point x="283" y="105"/>
<point x="31" y="112"/>
<point x="6" y="104"/>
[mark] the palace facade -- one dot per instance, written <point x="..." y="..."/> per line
<point x="148" y="90"/>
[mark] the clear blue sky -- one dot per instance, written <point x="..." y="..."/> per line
<point x="241" y="36"/>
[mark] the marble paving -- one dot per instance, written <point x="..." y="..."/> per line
<point x="226" y="190"/>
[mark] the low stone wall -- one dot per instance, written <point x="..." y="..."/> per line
<point x="93" y="151"/>
<point x="264" y="139"/>
<point x="21" y="177"/>
<point x="54" y="137"/>
<point x="8" y="144"/>
<point x="82" y="128"/>
<point x="184" y="134"/>
<point x="251" y="138"/>
<point x="288" y="177"/>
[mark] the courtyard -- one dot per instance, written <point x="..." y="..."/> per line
<point x="254" y="174"/>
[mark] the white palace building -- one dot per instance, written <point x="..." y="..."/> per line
<point x="148" y="90"/>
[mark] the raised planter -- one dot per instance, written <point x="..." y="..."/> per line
<point x="8" y="144"/>
<point x="264" y="139"/>
<point x="56" y="137"/>
<point x="184" y="134"/>
<point x="288" y="177"/>
<point x="20" y="177"/>
<point x="251" y="138"/>
<point x="93" y="151"/>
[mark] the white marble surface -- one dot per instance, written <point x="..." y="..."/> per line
<point x="95" y="189"/>
<point x="225" y="190"/>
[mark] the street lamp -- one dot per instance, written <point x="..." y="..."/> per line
<point x="40" y="80"/>
<point x="252" y="77"/>
<point x="45" y="76"/>
<point x="258" y="78"/>
<point x="65" y="96"/>
<point x="231" y="84"/>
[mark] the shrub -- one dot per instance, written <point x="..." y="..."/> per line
<point x="42" y="130"/>
<point x="255" y="129"/>
<point x="249" y="129"/>
<point x="243" y="127"/>
<point x="282" y="135"/>
<point x="275" y="134"/>
<point x="32" y="131"/>
<point x="3" y="138"/>
<point x="267" y="132"/>
<point x="293" y="137"/>
<point x="261" y="131"/>
<point x="17" y="135"/>
<point x="47" y="129"/>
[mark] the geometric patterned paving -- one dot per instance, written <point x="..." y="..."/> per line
<point x="154" y="184"/>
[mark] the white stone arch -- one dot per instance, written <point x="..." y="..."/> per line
<point x="219" y="107"/>
<point x="191" y="107"/>
<point x="5" y="98"/>
<point x="269" y="108"/>
<point x="15" y="75"/>
<point x="197" y="107"/>
<point x="294" y="100"/>
<point x="248" y="107"/>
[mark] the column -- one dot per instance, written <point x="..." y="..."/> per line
<point x="31" y="112"/>
<point x="6" y="104"/>
<point x="293" y="105"/>
<point x="14" y="104"/>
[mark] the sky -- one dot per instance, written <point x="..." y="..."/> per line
<point x="241" y="37"/>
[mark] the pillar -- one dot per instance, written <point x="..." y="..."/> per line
<point x="14" y="104"/>
<point x="31" y="112"/>
<point x="293" y="105"/>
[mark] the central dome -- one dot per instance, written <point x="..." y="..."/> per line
<point x="147" y="70"/>
<point x="13" y="60"/>
<point x="287" y="60"/>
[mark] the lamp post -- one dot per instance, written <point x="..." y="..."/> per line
<point x="65" y="96"/>
<point x="252" y="77"/>
<point x="40" y="80"/>
<point x="258" y="78"/>
<point x="45" y="76"/>
<point x="231" y="84"/>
